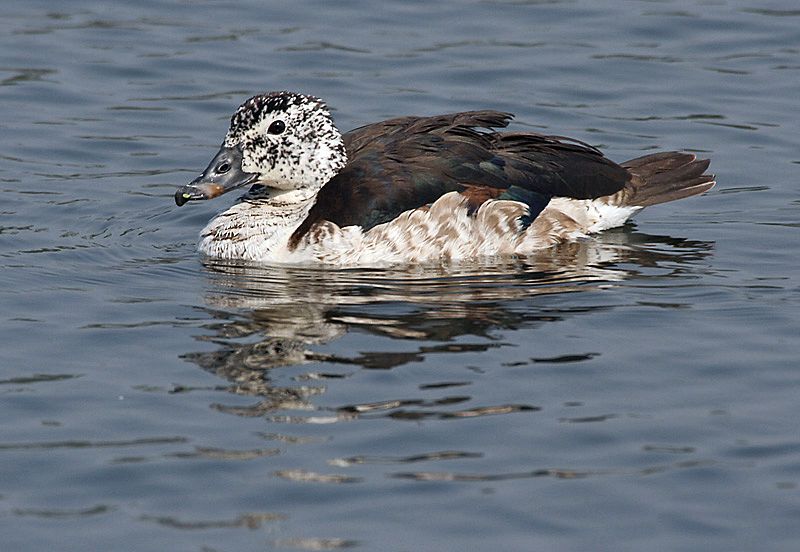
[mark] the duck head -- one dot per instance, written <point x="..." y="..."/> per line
<point x="281" y="140"/>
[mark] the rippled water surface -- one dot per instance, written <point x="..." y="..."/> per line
<point x="636" y="392"/>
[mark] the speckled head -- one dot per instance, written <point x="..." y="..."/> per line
<point x="288" y="139"/>
<point x="282" y="140"/>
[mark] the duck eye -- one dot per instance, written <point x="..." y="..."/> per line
<point x="223" y="167"/>
<point x="276" y="127"/>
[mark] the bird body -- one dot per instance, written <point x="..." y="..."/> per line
<point x="416" y="189"/>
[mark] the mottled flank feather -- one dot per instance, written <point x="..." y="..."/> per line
<point x="421" y="189"/>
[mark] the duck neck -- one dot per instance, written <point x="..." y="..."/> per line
<point x="290" y="201"/>
<point x="258" y="228"/>
<point x="287" y="209"/>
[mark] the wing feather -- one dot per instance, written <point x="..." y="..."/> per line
<point x="409" y="162"/>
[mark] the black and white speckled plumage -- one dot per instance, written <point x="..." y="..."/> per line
<point x="309" y="154"/>
<point x="417" y="189"/>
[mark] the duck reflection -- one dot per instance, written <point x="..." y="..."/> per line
<point x="273" y="316"/>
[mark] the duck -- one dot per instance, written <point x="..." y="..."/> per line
<point x="416" y="189"/>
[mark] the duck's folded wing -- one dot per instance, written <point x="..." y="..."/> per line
<point x="410" y="162"/>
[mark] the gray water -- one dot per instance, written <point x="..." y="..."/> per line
<point x="638" y="392"/>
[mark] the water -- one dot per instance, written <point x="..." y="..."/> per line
<point x="637" y="392"/>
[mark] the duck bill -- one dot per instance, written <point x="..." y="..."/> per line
<point x="222" y="175"/>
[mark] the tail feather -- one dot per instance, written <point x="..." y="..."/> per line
<point x="655" y="178"/>
<point x="661" y="161"/>
<point x="662" y="177"/>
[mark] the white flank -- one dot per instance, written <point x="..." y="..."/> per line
<point x="260" y="231"/>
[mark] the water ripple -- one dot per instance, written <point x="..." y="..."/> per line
<point x="246" y="521"/>
<point x="82" y="444"/>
